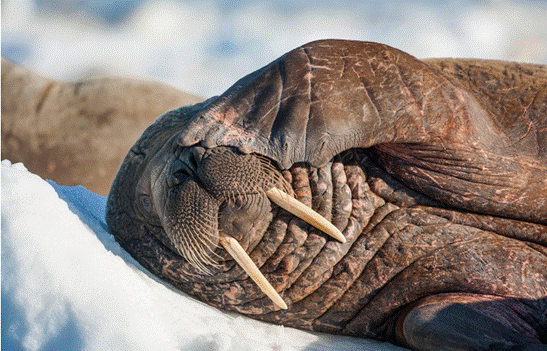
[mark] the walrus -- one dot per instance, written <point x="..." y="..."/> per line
<point x="350" y="188"/>
<point x="78" y="132"/>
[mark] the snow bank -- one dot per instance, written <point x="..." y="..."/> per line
<point x="67" y="285"/>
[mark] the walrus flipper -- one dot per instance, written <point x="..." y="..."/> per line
<point x="329" y="96"/>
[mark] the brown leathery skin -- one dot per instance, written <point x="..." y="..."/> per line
<point x="431" y="130"/>
<point x="440" y="199"/>
<point x="513" y="93"/>
<point x="77" y="133"/>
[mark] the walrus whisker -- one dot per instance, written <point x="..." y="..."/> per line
<point x="202" y="248"/>
<point x="199" y="248"/>
<point x="194" y="248"/>
<point x="190" y="256"/>
<point x="273" y="174"/>
<point x="240" y="256"/>
<point x="297" y="208"/>
<point x="206" y="239"/>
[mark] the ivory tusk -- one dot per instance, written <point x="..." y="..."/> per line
<point x="305" y="213"/>
<point x="236" y="251"/>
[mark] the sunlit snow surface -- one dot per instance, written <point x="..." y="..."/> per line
<point x="67" y="285"/>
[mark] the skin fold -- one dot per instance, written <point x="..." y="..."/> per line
<point x="434" y="171"/>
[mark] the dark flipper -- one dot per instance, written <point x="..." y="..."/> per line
<point x="462" y="321"/>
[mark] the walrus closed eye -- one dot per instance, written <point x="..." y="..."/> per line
<point x="350" y="188"/>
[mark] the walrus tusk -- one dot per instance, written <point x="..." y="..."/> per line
<point x="236" y="251"/>
<point x="297" y="208"/>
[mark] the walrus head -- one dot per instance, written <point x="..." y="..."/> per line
<point x="196" y="200"/>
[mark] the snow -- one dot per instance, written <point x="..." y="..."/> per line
<point x="67" y="284"/>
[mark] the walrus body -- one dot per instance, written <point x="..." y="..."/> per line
<point x="77" y="133"/>
<point x="434" y="171"/>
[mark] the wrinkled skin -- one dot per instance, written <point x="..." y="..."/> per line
<point x="435" y="171"/>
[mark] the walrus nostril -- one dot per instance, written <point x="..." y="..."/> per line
<point x="196" y="155"/>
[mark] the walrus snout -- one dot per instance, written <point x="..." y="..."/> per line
<point x="212" y="191"/>
<point x="206" y="198"/>
<point x="199" y="194"/>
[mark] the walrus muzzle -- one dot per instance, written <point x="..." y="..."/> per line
<point x="196" y="187"/>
